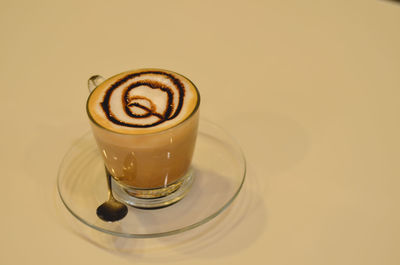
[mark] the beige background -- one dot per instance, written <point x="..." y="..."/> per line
<point x="310" y="89"/>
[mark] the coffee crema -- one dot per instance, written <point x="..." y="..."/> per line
<point x="143" y="101"/>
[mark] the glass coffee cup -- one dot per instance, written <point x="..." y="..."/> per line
<point x="145" y="124"/>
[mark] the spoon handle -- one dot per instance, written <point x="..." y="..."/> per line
<point x="109" y="185"/>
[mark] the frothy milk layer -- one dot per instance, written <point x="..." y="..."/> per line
<point x="143" y="101"/>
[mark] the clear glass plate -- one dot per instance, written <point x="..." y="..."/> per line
<point x="219" y="171"/>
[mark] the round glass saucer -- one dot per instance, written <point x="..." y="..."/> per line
<point x="219" y="172"/>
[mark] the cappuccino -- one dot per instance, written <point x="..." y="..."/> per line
<point x="145" y="124"/>
<point x="143" y="101"/>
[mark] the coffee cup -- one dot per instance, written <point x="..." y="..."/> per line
<point x="145" y="124"/>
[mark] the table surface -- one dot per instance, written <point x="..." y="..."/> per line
<point x="310" y="90"/>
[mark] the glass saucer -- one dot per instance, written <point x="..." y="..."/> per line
<point x="219" y="172"/>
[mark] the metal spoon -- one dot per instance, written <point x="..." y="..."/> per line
<point x="111" y="210"/>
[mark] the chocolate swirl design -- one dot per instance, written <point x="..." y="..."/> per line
<point x="140" y="110"/>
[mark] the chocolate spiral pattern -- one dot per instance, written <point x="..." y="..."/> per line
<point x="143" y="108"/>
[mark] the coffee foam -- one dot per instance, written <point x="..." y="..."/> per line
<point x="143" y="101"/>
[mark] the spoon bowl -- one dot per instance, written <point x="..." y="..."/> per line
<point x="111" y="210"/>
